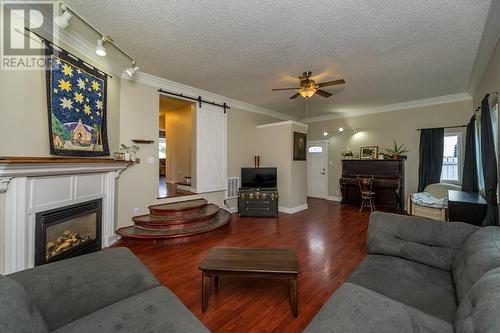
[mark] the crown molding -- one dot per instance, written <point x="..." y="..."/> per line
<point x="394" y="107"/>
<point x="487" y="45"/>
<point x="158" y="82"/>
<point x="282" y="123"/>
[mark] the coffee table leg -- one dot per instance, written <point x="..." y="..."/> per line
<point x="294" y="294"/>
<point x="205" y="291"/>
<point x="216" y="282"/>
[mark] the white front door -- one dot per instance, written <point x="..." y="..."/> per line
<point x="317" y="169"/>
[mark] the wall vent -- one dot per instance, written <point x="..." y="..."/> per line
<point x="233" y="184"/>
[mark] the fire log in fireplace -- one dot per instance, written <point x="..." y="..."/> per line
<point x="68" y="232"/>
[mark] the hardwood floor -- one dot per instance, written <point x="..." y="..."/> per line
<point x="330" y="243"/>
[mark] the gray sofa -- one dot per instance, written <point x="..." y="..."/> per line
<point x="419" y="276"/>
<point x="107" y="291"/>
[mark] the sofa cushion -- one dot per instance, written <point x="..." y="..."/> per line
<point x="429" y="242"/>
<point x="70" y="289"/>
<point x="478" y="312"/>
<point x="354" y="309"/>
<point x="425" y="288"/>
<point x="479" y="254"/>
<point x="157" y="310"/>
<point x="18" y="314"/>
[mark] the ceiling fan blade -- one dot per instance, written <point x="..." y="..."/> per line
<point x="285" y="89"/>
<point x="330" y="83"/>
<point x="295" y="96"/>
<point x="323" y="93"/>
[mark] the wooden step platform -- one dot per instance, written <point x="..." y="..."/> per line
<point x="175" y="220"/>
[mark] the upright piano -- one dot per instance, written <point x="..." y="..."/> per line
<point x="388" y="183"/>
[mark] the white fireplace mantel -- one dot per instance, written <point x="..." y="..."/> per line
<point x="34" y="185"/>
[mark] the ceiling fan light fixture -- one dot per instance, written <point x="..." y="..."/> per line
<point x="307" y="92"/>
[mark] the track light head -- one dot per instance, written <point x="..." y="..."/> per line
<point x="100" y="50"/>
<point x="132" y="70"/>
<point x="62" y="21"/>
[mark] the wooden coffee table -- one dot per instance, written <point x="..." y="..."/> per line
<point x="250" y="262"/>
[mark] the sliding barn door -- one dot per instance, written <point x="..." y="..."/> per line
<point x="211" y="148"/>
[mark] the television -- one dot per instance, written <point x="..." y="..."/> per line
<point x="259" y="177"/>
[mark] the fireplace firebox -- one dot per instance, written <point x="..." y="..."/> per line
<point x="67" y="232"/>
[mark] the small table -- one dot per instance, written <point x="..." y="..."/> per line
<point x="253" y="262"/>
<point x="466" y="207"/>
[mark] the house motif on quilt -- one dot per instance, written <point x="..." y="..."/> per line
<point x="81" y="134"/>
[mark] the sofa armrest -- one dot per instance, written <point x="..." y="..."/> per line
<point x="70" y="289"/>
<point x="429" y="242"/>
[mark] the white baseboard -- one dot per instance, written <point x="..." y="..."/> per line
<point x="333" y="198"/>
<point x="293" y="210"/>
<point x="231" y="209"/>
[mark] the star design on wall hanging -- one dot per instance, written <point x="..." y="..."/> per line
<point x="86" y="109"/>
<point x="66" y="103"/>
<point x="78" y="97"/>
<point x="95" y="85"/>
<point x="65" y="85"/>
<point x="81" y="84"/>
<point x="98" y="105"/>
<point x="67" y="70"/>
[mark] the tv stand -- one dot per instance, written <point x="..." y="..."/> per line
<point x="258" y="202"/>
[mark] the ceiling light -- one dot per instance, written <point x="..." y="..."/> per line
<point x="307" y="91"/>
<point x="341" y="129"/>
<point x="356" y="130"/>
<point x="100" y="50"/>
<point x="132" y="70"/>
<point x="62" y="21"/>
<point x="325" y="133"/>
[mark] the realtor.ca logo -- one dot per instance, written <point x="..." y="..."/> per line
<point x="22" y="22"/>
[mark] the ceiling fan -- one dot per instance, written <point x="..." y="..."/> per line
<point x="308" y="87"/>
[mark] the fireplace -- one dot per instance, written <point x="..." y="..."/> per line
<point x="67" y="232"/>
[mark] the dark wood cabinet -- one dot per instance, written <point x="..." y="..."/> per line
<point x="258" y="202"/>
<point x="388" y="184"/>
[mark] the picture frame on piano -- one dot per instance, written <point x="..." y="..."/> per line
<point x="368" y="152"/>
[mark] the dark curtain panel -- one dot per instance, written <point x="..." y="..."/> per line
<point x="470" y="181"/>
<point x="431" y="157"/>
<point x="489" y="164"/>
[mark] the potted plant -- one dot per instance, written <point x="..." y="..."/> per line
<point x="347" y="153"/>
<point x="130" y="151"/>
<point x="396" y="151"/>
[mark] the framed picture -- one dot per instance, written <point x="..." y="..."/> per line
<point x="299" y="146"/>
<point x="368" y="152"/>
<point x="119" y="156"/>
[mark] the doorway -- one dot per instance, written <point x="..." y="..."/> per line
<point x="317" y="169"/>
<point x="176" y="119"/>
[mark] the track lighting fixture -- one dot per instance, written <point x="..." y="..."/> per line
<point x="62" y="21"/>
<point x="100" y="50"/>
<point x="132" y="70"/>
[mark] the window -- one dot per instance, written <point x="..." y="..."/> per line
<point x="452" y="156"/>
<point x="162" y="148"/>
<point x="315" y="149"/>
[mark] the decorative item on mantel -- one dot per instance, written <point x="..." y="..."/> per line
<point x="368" y="152"/>
<point x="396" y="152"/>
<point x="129" y="151"/>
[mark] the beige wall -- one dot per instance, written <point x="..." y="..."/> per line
<point x="274" y="146"/>
<point x="179" y="129"/>
<point x="380" y="129"/>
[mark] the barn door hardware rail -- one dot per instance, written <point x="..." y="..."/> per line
<point x="197" y="99"/>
